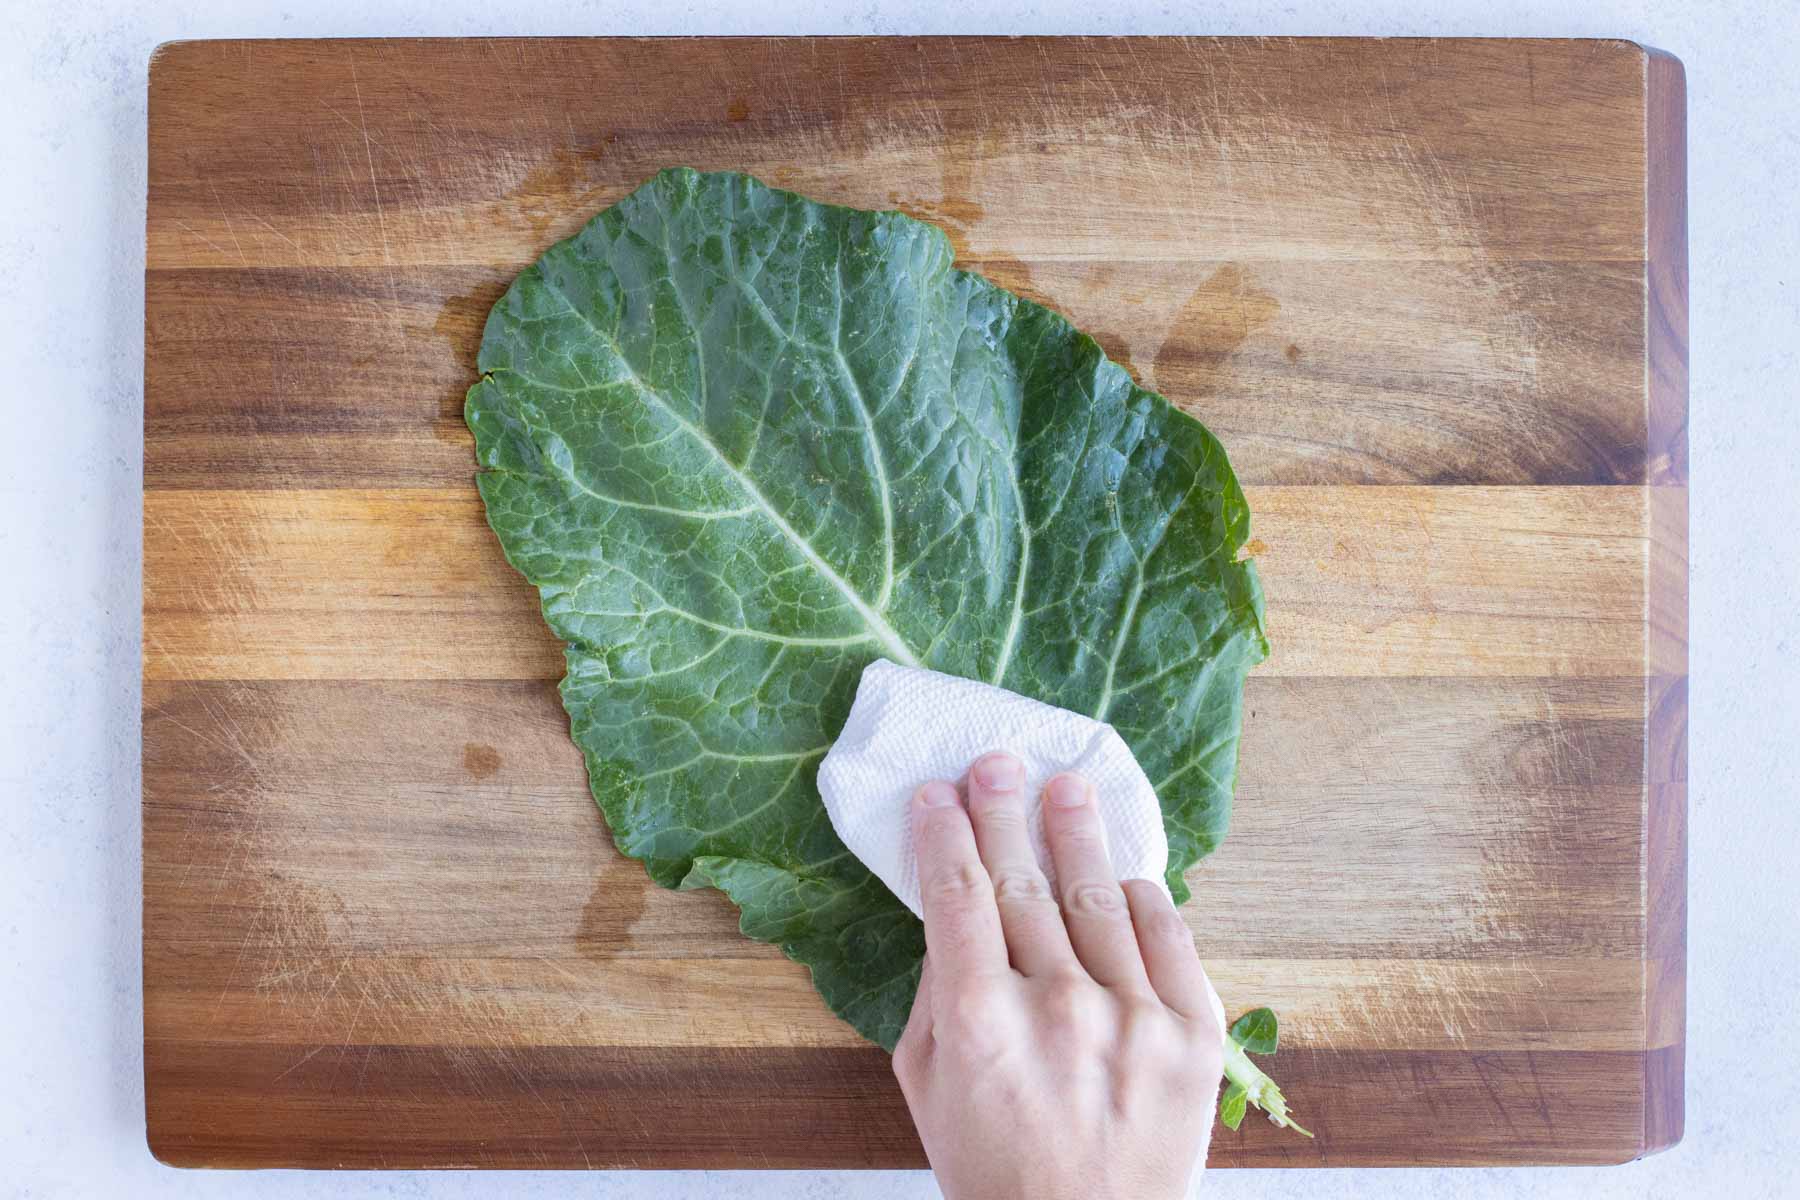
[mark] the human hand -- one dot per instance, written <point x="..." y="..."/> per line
<point x="1058" y="1047"/>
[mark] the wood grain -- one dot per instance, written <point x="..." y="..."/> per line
<point x="270" y="1104"/>
<point x="1431" y="295"/>
<point x="1362" y="372"/>
<point x="1391" y="581"/>
<point x="468" y="859"/>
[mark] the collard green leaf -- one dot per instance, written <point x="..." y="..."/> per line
<point x="1256" y="1031"/>
<point x="1232" y="1105"/>
<point x="744" y="444"/>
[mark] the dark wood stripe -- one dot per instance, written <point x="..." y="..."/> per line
<point x="421" y="136"/>
<point x="233" y="1105"/>
<point x="1360" y="373"/>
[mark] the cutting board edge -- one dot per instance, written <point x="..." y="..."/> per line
<point x="1666" y="354"/>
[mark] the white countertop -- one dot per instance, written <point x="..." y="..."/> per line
<point x="72" y="78"/>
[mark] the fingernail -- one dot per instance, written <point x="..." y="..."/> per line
<point x="1001" y="772"/>
<point x="937" y="794"/>
<point x="1068" y="791"/>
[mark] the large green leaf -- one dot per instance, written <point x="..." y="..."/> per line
<point x="744" y="444"/>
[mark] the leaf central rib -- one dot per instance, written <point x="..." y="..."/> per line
<point x="876" y="459"/>
<point x="884" y="633"/>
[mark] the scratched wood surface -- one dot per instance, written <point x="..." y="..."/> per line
<point x="1431" y="295"/>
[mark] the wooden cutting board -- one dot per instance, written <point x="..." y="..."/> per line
<point x="1430" y="294"/>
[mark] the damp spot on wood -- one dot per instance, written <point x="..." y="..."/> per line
<point x="956" y="216"/>
<point x="1117" y="350"/>
<point x="459" y="324"/>
<point x="480" y="760"/>
<point x="460" y="321"/>
<point x="1010" y="273"/>
<point x="557" y="196"/>
<point x="620" y="892"/>
<point x="955" y="209"/>
<point x="1217" y="319"/>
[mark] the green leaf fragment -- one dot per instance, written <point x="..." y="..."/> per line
<point x="743" y="444"/>
<point x="1256" y="1031"/>
<point x="1231" y="1106"/>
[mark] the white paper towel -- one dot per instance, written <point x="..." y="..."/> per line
<point x="910" y="726"/>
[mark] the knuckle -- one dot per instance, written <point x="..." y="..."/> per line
<point x="998" y="814"/>
<point x="1070" y="999"/>
<point x="1077" y="1008"/>
<point x="1149" y="1027"/>
<point x="976" y="1020"/>
<point x="957" y="884"/>
<point x="1063" y="982"/>
<point x="1156" y="1042"/>
<point x="1080" y="836"/>
<point x="1022" y="886"/>
<point x="939" y="824"/>
<point x="975" y="1007"/>
<point x="1204" y="1027"/>
<point x="1092" y="898"/>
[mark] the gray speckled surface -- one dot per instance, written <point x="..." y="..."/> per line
<point x="71" y="260"/>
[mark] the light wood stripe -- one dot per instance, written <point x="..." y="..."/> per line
<point x="1457" y="819"/>
<point x="1362" y="582"/>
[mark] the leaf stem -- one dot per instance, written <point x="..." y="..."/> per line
<point x="1259" y="1089"/>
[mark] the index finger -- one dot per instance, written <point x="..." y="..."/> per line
<point x="962" y="922"/>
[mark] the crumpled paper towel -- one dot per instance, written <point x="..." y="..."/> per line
<point x="909" y="726"/>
